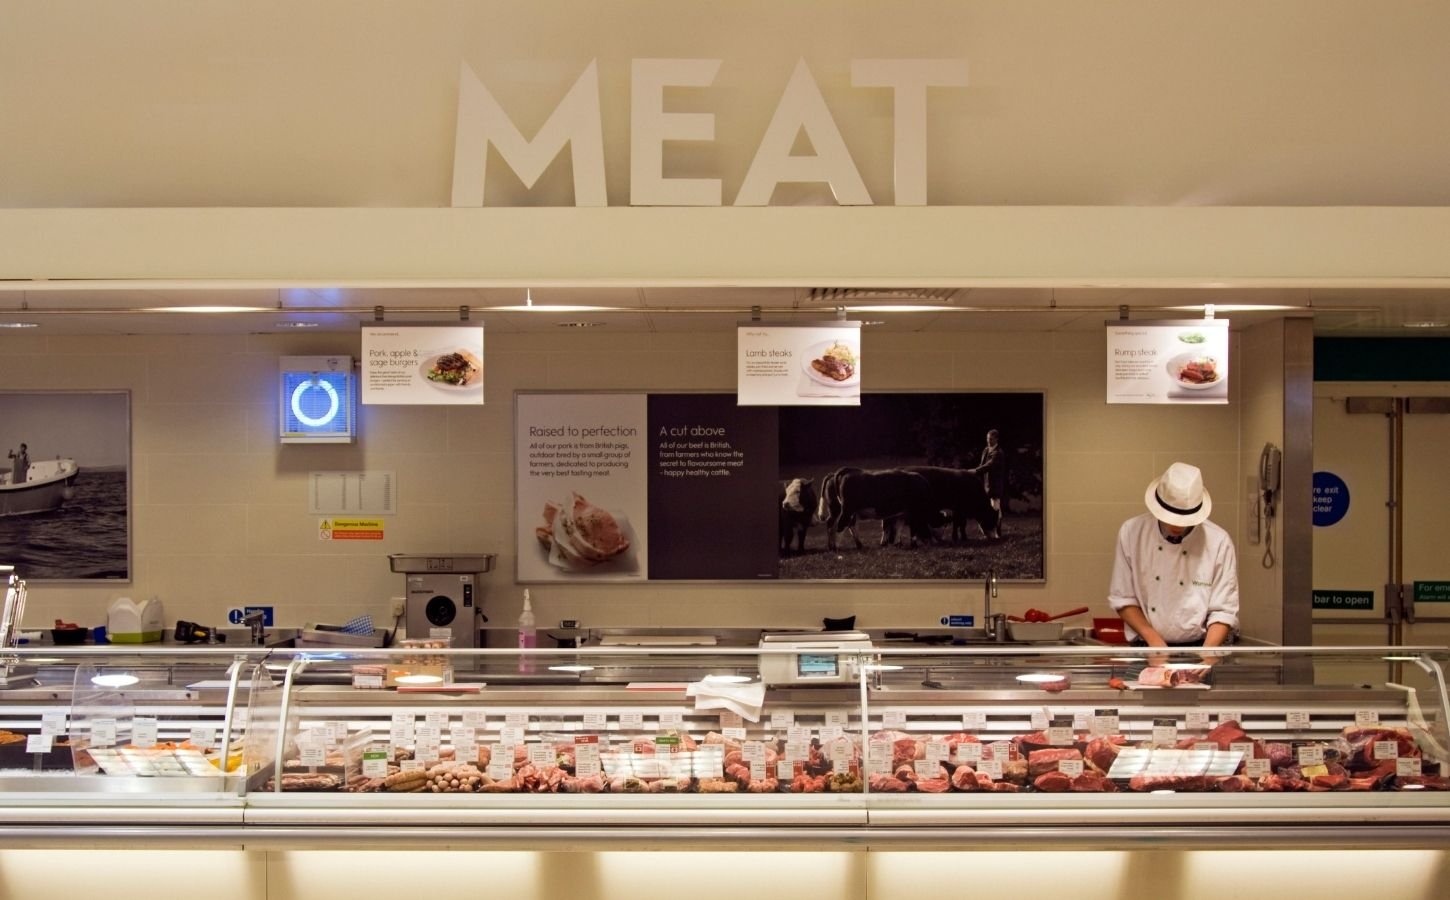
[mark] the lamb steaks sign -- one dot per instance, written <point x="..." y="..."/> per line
<point x="576" y="122"/>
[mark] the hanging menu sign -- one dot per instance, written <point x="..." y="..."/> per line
<point x="816" y="364"/>
<point x="1182" y="361"/>
<point x="418" y="365"/>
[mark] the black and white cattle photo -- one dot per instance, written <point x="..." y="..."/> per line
<point x="913" y="486"/>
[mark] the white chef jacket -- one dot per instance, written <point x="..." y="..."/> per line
<point x="1181" y="588"/>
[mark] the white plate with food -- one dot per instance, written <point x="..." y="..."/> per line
<point x="452" y="370"/>
<point x="833" y="364"/>
<point x="576" y="538"/>
<point x="1195" y="371"/>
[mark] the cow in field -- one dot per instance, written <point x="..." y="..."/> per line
<point x="797" y="512"/>
<point x="891" y="495"/>
<point x="961" y="491"/>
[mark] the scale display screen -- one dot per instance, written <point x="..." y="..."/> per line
<point x="815" y="665"/>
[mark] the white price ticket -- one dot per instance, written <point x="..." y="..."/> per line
<point x="936" y="751"/>
<point x="992" y="768"/>
<point x="730" y="720"/>
<point x="516" y="719"/>
<point x="1165" y="731"/>
<point x="928" y="768"/>
<point x="1229" y="715"/>
<point x="1196" y="720"/>
<point x="52" y="723"/>
<point x="1310" y="755"/>
<point x="202" y="737"/>
<point x="782" y="719"/>
<point x="840" y="752"/>
<point x="1070" y="767"/>
<point x="1104" y="722"/>
<point x="542" y="755"/>
<point x="830" y="733"/>
<point x="798" y="735"/>
<point x="314" y="755"/>
<point x="1246" y="748"/>
<point x="734" y="734"/>
<point x="671" y="720"/>
<point x="500" y="770"/>
<point x="375" y="764"/>
<point x="751" y="751"/>
<point x="969" y="752"/>
<point x="103" y="732"/>
<point x="1386" y="749"/>
<point x="974" y="721"/>
<point x="1364" y="718"/>
<point x="1297" y="719"/>
<point x="1039" y="720"/>
<point x="893" y="718"/>
<point x="475" y="718"/>
<point x="757" y="770"/>
<point x="143" y="732"/>
<point x="38" y="743"/>
<point x="838" y="717"/>
<point x="595" y="721"/>
<point x="1256" y="768"/>
<point x="1407" y="766"/>
<point x="785" y="770"/>
<point x="1059" y="736"/>
<point x="631" y="720"/>
<point x="801" y="751"/>
<point x="437" y="718"/>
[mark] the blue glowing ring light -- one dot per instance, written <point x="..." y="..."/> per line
<point x="332" y="408"/>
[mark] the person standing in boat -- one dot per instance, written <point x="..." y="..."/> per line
<point x="22" y="465"/>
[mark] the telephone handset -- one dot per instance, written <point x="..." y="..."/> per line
<point x="1271" y="461"/>
<point x="1271" y="464"/>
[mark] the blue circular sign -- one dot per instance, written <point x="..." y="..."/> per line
<point x="1331" y="498"/>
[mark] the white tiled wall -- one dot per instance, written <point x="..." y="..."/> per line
<point x="221" y="510"/>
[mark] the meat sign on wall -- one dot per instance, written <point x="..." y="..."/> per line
<point x="1168" y="362"/>
<point x="799" y="365"/>
<point x="633" y="487"/>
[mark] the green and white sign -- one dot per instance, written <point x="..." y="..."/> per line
<point x="1432" y="592"/>
<point x="1344" y="599"/>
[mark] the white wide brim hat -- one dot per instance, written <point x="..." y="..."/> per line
<point x="1179" y="497"/>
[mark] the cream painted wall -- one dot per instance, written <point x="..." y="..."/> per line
<point x="352" y="102"/>
<point x="221" y="515"/>
<point x="1260" y="370"/>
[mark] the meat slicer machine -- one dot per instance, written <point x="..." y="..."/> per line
<point x="444" y="595"/>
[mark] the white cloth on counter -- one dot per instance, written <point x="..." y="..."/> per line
<point x="745" y="700"/>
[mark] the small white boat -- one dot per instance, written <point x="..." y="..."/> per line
<point x="48" y="484"/>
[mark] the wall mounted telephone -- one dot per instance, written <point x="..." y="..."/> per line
<point x="1271" y="464"/>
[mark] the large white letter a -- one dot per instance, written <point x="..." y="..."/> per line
<point x="575" y="121"/>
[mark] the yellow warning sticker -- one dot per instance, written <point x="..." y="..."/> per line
<point x="350" y="529"/>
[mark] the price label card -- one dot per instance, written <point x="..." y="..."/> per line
<point x="992" y="768"/>
<point x="839" y="753"/>
<point x="838" y="717"/>
<point x="401" y="730"/>
<point x="1386" y="749"/>
<point x="799" y="751"/>
<point x="500" y="770"/>
<point x="1104" y="722"/>
<point x="879" y="751"/>
<point x="1001" y="750"/>
<point x="587" y="768"/>
<point x="336" y="732"/>
<point x="969" y="752"/>
<point x="731" y="720"/>
<point x="103" y="732"/>
<point x="437" y="718"/>
<point x="143" y="732"/>
<point x="1196" y="720"/>
<point x="830" y="733"/>
<point x="466" y="751"/>
<point x="475" y="718"/>
<point x="510" y="737"/>
<point x="542" y="755"/>
<point x="733" y="734"/>
<point x="375" y="764"/>
<point x="427" y="734"/>
<point x="1059" y="735"/>
<point x="595" y="721"/>
<point x="38" y="743"/>
<point x="1364" y="718"/>
<point x="1298" y="719"/>
<point x="1206" y="747"/>
<point x="671" y="720"/>
<point x="1080" y="721"/>
<point x="462" y="734"/>
<point x="1256" y="768"/>
<point x="798" y="735"/>
<point x="782" y="719"/>
<point x="757" y="770"/>
<point x="1310" y="755"/>
<point x="928" y="768"/>
<point x="751" y="751"/>
<point x="427" y="750"/>
<point x="313" y="755"/>
<point x="974" y="721"/>
<point x="52" y="723"/>
<point x="1039" y="720"/>
<point x="785" y="770"/>
<point x="631" y="720"/>
<point x="936" y="751"/>
<point x="1407" y="766"/>
<point x="1244" y="747"/>
<point x="516" y="719"/>
<point x="1229" y="715"/>
<point x="367" y="682"/>
<point x="893" y="718"/>
<point x="202" y="737"/>
<point x="1165" y="731"/>
<point x="1070" y="767"/>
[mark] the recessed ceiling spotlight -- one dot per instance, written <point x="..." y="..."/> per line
<point x="540" y="308"/>
<point x="295" y="324"/>
<point x="899" y="307"/>
<point x="578" y="324"/>
<point x="1426" y="323"/>
<point x="19" y="324"/>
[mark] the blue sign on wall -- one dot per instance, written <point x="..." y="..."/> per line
<point x="1331" y="498"/>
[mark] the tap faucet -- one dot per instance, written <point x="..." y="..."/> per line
<point x="257" y="621"/>
<point x="995" y="625"/>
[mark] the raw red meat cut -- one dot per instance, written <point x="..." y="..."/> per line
<point x="1040" y="762"/>
<point x="1093" y="783"/>
<point x="1102" y="752"/>
<point x="1052" y="782"/>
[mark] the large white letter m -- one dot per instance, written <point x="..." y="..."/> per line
<point x="574" y="121"/>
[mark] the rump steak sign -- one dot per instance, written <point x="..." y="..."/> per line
<point x="660" y="487"/>
<point x="799" y="365"/>
<point x="1168" y="362"/>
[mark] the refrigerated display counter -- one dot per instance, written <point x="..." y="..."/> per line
<point x="628" y="748"/>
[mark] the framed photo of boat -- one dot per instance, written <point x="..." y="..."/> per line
<point x="65" y="484"/>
